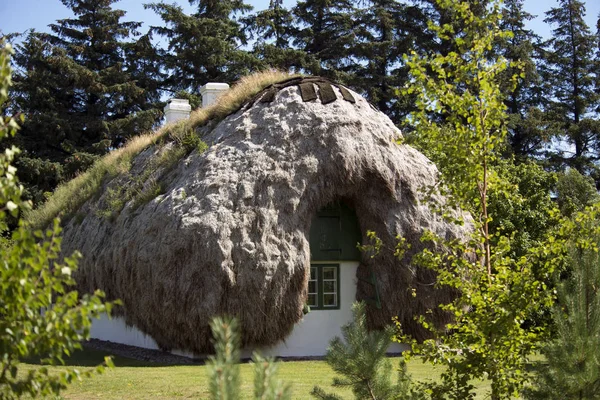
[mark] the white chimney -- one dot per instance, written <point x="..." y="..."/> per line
<point x="211" y="92"/>
<point x="177" y="109"/>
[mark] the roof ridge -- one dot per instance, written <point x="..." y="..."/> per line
<point x="307" y="91"/>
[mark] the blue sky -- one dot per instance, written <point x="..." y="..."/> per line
<point x="20" y="15"/>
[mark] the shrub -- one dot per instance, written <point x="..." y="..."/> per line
<point x="361" y="359"/>
<point x="40" y="316"/>
<point x="572" y="367"/>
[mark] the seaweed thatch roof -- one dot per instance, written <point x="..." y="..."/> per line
<point x="182" y="232"/>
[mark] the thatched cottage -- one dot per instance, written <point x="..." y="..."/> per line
<point x="262" y="223"/>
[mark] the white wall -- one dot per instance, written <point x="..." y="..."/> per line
<point x="115" y="330"/>
<point x="310" y="336"/>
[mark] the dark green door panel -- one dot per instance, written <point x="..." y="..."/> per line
<point x="334" y="234"/>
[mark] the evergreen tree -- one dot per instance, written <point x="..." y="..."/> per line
<point x="107" y="96"/>
<point x="525" y="99"/>
<point x="224" y="371"/>
<point x="41" y="95"/>
<point x="326" y="35"/>
<point x="572" y="370"/>
<point x="204" y="46"/>
<point x="273" y="30"/>
<point x="140" y="65"/>
<point x="598" y="63"/>
<point x="452" y="42"/>
<point x="277" y="23"/>
<point x="386" y="30"/>
<point x="79" y="89"/>
<point x="361" y="359"/>
<point x="569" y="71"/>
<point x="223" y="368"/>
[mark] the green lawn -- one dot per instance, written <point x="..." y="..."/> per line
<point x="131" y="379"/>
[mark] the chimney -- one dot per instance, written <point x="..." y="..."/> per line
<point x="177" y="109"/>
<point x="211" y="92"/>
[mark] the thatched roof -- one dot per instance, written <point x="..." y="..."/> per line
<point x="225" y="231"/>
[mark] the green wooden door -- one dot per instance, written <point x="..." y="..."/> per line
<point x="334" y="234"/>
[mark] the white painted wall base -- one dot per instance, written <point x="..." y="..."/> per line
<point x="115" y="330"/>
<point x="309" y="338"/>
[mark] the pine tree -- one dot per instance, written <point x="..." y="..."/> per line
<point x="266" y="384"/>
<point x="572" y="368"/>
<point x="204" y="46"/>
<point x="41" y="95"/>
<point x="276" y="21"/>
<point x="457" y="36"/>
<point x="598" y="62"/>
<point x="223" y="368"/>
<point x="224" y="371"/>
<point x="569" y="71"/>
<point x="386" y="30"/>
<point x="361" y="359"/>
<point x="325" y="35"/>
<point x="273" y="29"/>
<point x="79" y="89"/>
<point x="140" y="66"/>
<point x="107" y="95"/>
<point x="525" y="99"/>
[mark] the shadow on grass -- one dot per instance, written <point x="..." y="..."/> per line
<point x="93" y="358"/>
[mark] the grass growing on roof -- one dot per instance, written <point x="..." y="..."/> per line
<point x="146" y="186"/>
<point x="71" y="195"/>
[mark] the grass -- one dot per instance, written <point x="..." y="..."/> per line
<point x="154" y="190"/>
<point x="131" y="379"/>
<point x="70" y="196"/>
<point x="140" y="188"/>
<point x="114" y="203"/>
